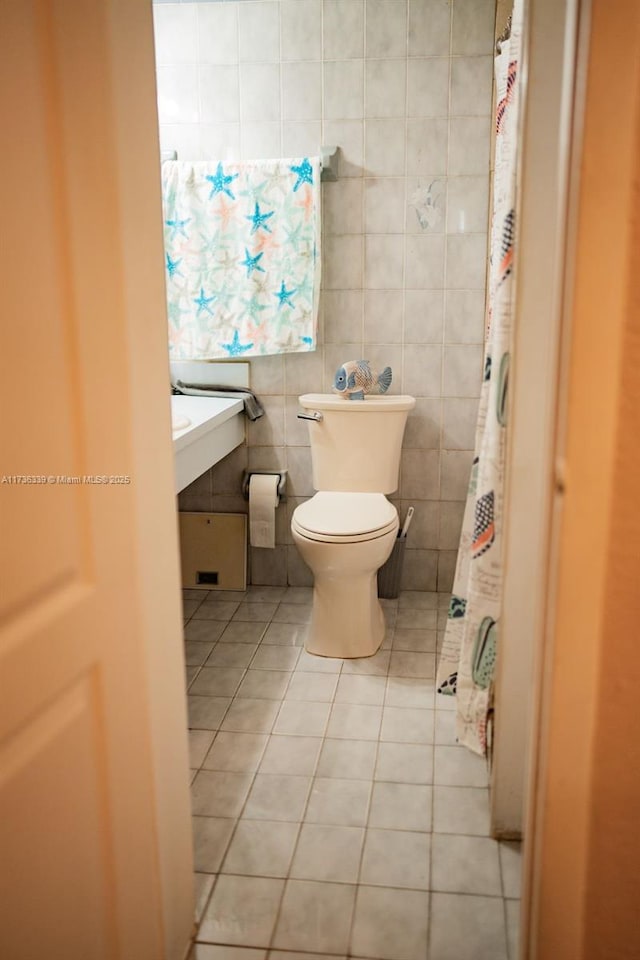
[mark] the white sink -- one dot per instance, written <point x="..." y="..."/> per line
<point x="205" y="429"/>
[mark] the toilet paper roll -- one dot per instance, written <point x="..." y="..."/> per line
<point x="263" y="500"/>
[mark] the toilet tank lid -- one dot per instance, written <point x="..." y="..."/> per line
<point x="371" y="404"/>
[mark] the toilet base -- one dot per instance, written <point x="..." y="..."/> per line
<point x="347" y="619"/>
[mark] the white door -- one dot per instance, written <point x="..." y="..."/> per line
<point x="86" y="832"/>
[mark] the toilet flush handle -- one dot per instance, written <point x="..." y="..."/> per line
<point x="316" y="415"/>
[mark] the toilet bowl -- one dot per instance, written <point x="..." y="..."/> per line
<point x="347" y="530"/>
<point x="345" y="538"/>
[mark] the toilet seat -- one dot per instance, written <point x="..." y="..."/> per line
<point x="345" y="517"/>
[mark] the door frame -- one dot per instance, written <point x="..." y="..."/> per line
<point x="137" y="153"/>
<point x="547" y="177"/>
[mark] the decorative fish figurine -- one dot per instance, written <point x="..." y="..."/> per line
<point x="355" y="378"/>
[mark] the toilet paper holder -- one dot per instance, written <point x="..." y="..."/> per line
<point x="282" y="482"/>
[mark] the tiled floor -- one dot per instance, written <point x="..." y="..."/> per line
<point x="333" y="812"/>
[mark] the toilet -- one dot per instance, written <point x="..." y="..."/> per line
<point x="346" y="531"/>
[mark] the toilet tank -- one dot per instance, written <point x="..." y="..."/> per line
<point x="356" y="445"/>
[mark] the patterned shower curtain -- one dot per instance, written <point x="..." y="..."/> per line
<point x="468" y="657"/>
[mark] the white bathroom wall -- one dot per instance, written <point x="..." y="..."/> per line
<point x="403" y="87"/>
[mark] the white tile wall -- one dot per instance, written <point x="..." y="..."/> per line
<point x="403" y="87"/>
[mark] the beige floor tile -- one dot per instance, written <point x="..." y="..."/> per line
<point x="347" y="759"/>
<point x="296" y="955"/>
<point x="334" y="801"/>
<point x="302" y="718"/>
<point x="206" y="713"/>
<point x="329" y="853"/>
<point x="261" y="848"/>
<point x="196" y="653"/>
<point x="275" y="657"/>
<point x="189" y="607"/>
<point x="286" y="634"/>
<point x="418" y="641"/>
<point x="202" y="887"/>
<point x="264" y="685"/>
<point x="407" y="664"/>
<point x="396" y="858"/>
<point x="298" y="595"/>
<point x="210" y="838"/>
<point x="445" y="728"/>
<point x="234" y="596"/>
<point x="277" y="798"/>
<point x="255" y="612"/>
<point x="211" y="951"/>
<point x="264" y="594"/>
<point x="216" y="610"/>
<point x="309" y="663"/>
<point x="190" y="674"/>
<point x="458" y="767"/>
<point x="232" y="655"/>
<point x="190" y="593"/>
<point x="199" y="743"/>
<point x="401" y="806"/>
<point x="407" y="725"/>
<point x="318" y="687"/>
<point x="463" y="810"/>
<point x="412" y="618"/>
<point x="417" y="600"/>
<point x="244" y="631"/>
<point x="242" y="910"/>
<point x="293" y="613"/>
<point x="404" y="763"/>
<point x="513" y="928"/>
<point x="444" y="599"/>
<point x="315" y="916"/>
<point x="217" y="681"/>
<point x="236" y="752"/>
<point x="410" y="692"/>
<point x="219" y="793"/>
<point x="511" y="867"/>
<point x="375" y="666"/>
<point x="356" y="688"/>
<point x="291" y="756"/>
<point x="390" y="924"/>
<point x="465" y="865"/>
<point x="251" y="716"/>
<point x="354" y="721"/>
<point x="467" y="928"/>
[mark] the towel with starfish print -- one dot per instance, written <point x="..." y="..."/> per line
<point x="242" y="256"/>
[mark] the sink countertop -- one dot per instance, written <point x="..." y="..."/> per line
<point x="216" y="427"/>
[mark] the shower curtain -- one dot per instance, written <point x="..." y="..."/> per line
<point x="467" y="661"/>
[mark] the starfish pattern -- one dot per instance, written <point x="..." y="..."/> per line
<point x="258" y="220"/>
<point x="252" y="263"/>
<point x="224" y="213"/>
<point x="254" y="308"/>
<point x="220" y="182"/>
<point x="306" y="204"/>
<point x="284" y="296"/>
<point x="235" y="348"/>
<point x="203" y="303"/>
<point x="267" y="242"/>
<point x="172" y="266"/>
<point x="304" y="173"/>
<point x="177" y="228"/>
<point x="224" y="262"/>
<point x="175" y="312"/>
<point x="259" y="333"/>
<point x="293" y="236"/>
